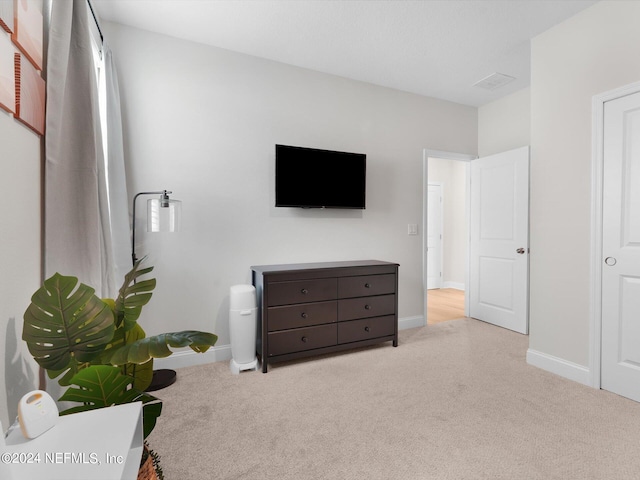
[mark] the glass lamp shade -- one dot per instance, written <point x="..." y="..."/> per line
<point x="163" y="215"/>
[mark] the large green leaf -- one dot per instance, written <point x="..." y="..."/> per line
<point x="65" y="326"/>
<point x="100" y="386"/>
<point x="64" y="376"/>
<point x="133" y="295"/>
<point x="157" y="346"/>
<point x="142" y="374"/>
<point x="150" y="412"/>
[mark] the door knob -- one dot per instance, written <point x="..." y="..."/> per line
<point x="610" y="261"/>
<point x="520" y="251"/>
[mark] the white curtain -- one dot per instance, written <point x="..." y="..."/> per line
<point x="78" y="224"/>
<point x="117" y="218"/>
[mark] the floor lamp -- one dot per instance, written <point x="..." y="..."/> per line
<point x="163" y="215"/>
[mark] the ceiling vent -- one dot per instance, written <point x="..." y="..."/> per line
<point x="493" y="81"/>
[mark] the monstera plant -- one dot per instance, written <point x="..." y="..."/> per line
<point x="96" y="346"/>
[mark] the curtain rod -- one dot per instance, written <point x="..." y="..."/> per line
<point x="95" y="19"/>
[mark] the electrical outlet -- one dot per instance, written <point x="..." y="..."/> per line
<point x="413" y="229"/>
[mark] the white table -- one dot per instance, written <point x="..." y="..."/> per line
<point x="102" y="444"/>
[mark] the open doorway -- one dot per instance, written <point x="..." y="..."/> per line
<point x="446" y="235"/>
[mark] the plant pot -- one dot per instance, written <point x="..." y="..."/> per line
<point x="147" y="470"/>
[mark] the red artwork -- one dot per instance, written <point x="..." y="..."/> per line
<point x="30" y="95"/>
<point x="22" y="88"/>
<point x="27" y="34"/>
<point x="7" y="74"/>
<point x="6" y="15"/>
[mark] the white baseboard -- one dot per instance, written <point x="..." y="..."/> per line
<point x="559" y="366"/>
<point x="411" y="322"/>
<point x="456" y="285"/>
<point x="188" y="358"/>
<point x="220" y="353"/>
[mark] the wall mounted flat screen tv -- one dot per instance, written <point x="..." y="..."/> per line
<point x="312" y="178"/>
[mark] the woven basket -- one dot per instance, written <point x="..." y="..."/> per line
<point x="147" y="470"/>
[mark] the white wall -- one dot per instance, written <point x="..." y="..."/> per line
<point x="203" y="122"/>
<point x="20" y="258"/>
<point x="593" y="52"/>
<point x="505" y="124"/>
<point x="452" y="175"/>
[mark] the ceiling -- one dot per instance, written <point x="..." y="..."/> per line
<point x="437" y="48"/>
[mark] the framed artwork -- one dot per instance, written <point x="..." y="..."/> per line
<point x="30" y="95"/>
<point x="7" y="73"/>
<point x="27" y="33"/>
<point x="6" y="15"/>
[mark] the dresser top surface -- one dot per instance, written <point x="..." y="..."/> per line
<point x="294" y="267"/>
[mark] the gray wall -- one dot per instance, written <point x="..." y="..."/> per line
<point x="593" y="52"/>
<point x="19" y="258"/>
<point x="203" y="122"/>
<point x="505" y="124"/>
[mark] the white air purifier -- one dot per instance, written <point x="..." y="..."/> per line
<point x="242" y="328"/>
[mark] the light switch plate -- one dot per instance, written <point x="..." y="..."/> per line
<point x="413" y="229"/>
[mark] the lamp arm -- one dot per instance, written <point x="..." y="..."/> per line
<point x="164" y="193"/>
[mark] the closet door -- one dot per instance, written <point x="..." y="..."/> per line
<point x="620" y="355"/>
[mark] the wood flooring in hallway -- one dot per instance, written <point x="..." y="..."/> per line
<point x="444" y="304"/>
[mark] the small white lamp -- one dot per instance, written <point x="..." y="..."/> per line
<point x="163" y="215"/>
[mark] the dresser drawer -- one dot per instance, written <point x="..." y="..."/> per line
<point x="302" y="291"/>
<point x="300" y="339"/>
<point x="366" y="285"/>
<point x="367" y="328"/>
<point x="302" y="315"/>
<point x="352" y="308"/>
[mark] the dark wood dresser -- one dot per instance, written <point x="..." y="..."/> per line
<point x="315" y="308"/>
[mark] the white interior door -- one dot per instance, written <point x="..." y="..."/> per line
<point x="434" y="236"/>
<point x="620" y="354"/>
<point x="499" y="240"/>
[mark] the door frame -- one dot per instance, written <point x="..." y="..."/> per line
<point x="597" y="195"/>
<point x="425" y="253"/>
<point x="464" y="157"/>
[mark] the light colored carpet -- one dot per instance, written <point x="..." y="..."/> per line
<point x="453" y="401"/>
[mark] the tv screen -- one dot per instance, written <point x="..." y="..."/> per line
<point x="312" y="178"/>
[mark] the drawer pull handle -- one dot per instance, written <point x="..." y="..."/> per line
<point x="367" y="329"/>
<point x="367" y="285"/>
<point x="303" y="315"/>
<point x="304" y="291"/>
<point x="367" y="307"/>
<point x="304" y="339"/>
